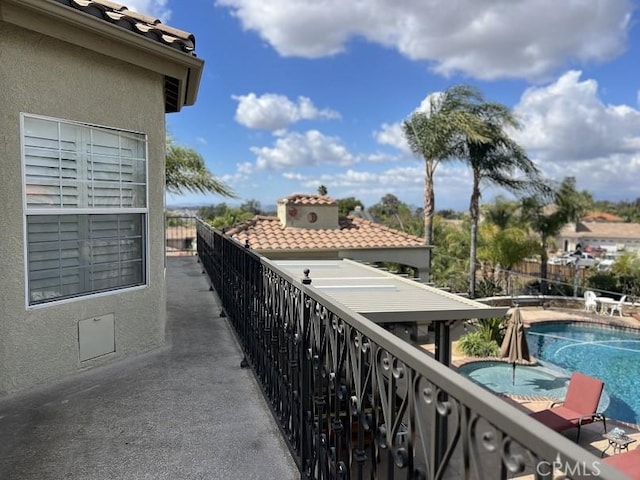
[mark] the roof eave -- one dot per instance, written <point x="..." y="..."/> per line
<point x="78" y="28"/>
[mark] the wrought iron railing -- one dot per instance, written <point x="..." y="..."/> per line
<point x="353" y="401"/>
<point x="180" y="234"/>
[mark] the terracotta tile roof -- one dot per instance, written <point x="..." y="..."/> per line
<point x="268" y="233"/>
<point x="601" y="217"/>
<point x="139" y="23"/>
<point x="304" y="199"/>
<point x="603" y="230"/>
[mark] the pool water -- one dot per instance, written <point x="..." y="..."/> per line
<point x="537" y="381"/>
<point x="609" y="353"/>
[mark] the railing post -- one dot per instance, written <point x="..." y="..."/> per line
<point x="443" y="355"/>
<point x="304" y="356"/>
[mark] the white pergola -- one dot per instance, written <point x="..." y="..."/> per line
<point x="390" y="299"/>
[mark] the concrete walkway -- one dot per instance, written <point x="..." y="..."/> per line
<point x="184" y="412"/>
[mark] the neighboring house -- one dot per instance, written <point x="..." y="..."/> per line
<point x="85" y="88"/>
<point x="604" y="236"/>
<point x="308" y="227"/>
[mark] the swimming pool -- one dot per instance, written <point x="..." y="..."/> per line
<point x="609" y="353"/>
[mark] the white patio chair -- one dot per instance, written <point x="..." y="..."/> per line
<point x="618" y="306"/>
<point x="590" y="304"/>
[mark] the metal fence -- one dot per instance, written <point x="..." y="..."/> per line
<point x="353" y="401"/>
<point x="180" y="235"/>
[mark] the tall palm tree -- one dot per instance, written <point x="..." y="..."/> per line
<point x="500" y="162"/>
<point x="185" y="170"/>
<point x="436" y="135"/>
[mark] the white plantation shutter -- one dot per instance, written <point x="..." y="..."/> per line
<point x="85" y="208"/>
<point x="53" y="253"/>
<point x="51" y="166"/>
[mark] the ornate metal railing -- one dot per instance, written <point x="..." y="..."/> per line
<point x="354" y="401"/>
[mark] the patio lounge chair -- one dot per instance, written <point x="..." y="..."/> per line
<point x="627" y="462"/>
<point x="579" y="407"/>
<point x="590" y="303"/>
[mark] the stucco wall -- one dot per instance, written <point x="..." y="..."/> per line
<point x="309" y="216"/>
<point x="40" y="75"/>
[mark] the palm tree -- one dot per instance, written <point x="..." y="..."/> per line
<point x="436" y="135"/>
<point x="185" y="170"/>
<point x="570" y="205"/>
<point x="502" y="212"/>
<point x="573" y="203"/>
<point x="507" y="248"/>
<point x="547" y="225"/>
<point x="499" y="161"/>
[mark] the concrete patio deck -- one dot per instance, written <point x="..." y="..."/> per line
<point x="187" y="411"/>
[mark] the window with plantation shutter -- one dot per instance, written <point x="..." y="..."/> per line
<point x="85" y="206"/>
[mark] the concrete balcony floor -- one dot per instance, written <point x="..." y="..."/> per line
<point x="186" y="411"/>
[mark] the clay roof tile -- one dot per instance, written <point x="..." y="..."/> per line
<point x="136" y="22"/>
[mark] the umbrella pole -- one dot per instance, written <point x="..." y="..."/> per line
<point x="514" y="373"/>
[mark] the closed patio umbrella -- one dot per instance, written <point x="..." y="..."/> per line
<point x="514" y="346"/>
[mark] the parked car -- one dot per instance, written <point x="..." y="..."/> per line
<point x="605" y="265"/>
<point x="583" y="260"/>
<point x="563" y="259"/>
<point x="607" y="261"/>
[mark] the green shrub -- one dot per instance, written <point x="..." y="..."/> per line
<point x="476" y="344"/>
<point x="487" y="288"/>
<point x="493" y="328"/>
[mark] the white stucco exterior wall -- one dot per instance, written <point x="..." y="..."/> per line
<point x="44" y="76"/>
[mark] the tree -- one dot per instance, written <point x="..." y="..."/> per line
<point x="546" y="224"/>
<point x="450" y="254"/>
<point x="500" y="161"/>
<point x="436" y="135"/>
<point x="547" y="221"/>
<point x="394" y="213"/>
<point x="507" y="248"/>
<point x="251" y="206"/>
<point x="572" y="203"/>
<point x="349" y="204"/>
<point x="322" y="190"/>
<point x="502" y="213"/>
<point x="186" y="170"/>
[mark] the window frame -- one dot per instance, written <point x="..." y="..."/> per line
<point x="61" y="211"/>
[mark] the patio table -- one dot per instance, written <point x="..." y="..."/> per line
<point x="619" y="442"/>
<point x="605" y="303"/>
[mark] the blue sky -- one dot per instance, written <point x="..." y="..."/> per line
<point x="298" y="93"/>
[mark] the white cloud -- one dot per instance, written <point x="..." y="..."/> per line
<point x="275" y="112"/>
<point x="566" y="121"/>
<point x="570" y="131"/>
<point x="153" y="8"/>
<point x="245" y="168"/>
<point x="485" y="39"/>
<point x="311" y="148"/>
<point x="391" y="134"/>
